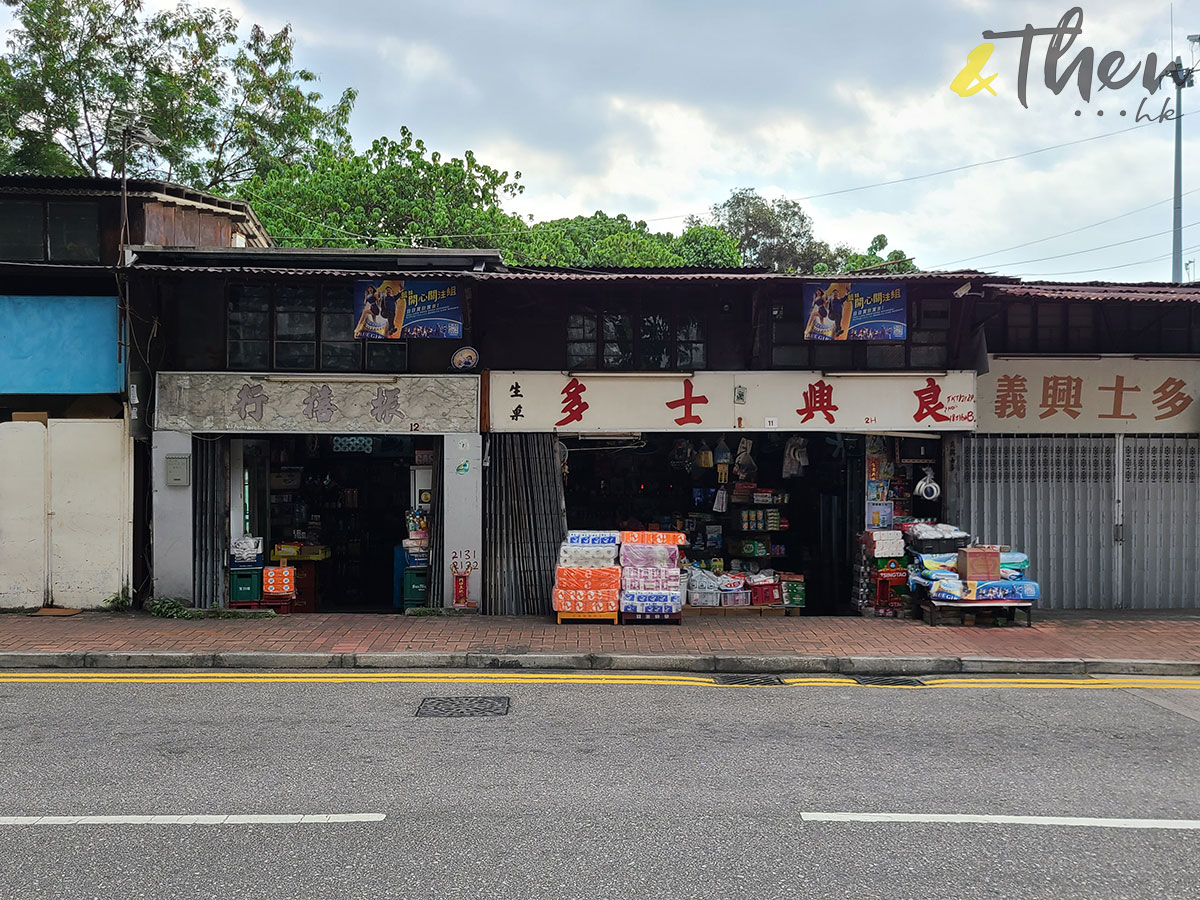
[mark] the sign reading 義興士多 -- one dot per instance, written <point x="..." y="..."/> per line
<point x="1106" y="395"/>
<point x="604" y="402"/>
<point x="855" y="311"/>
<point x="400" y="309"/>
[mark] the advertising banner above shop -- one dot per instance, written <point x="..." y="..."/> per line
<point x="855" y="311"/>
<point x="398" y="309"/>
<point x="610" y="402"/>
<point x="305" y="404"/>
<point x="1101" y="395"/>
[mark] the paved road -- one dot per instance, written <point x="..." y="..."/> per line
<point x="585" y="790"/>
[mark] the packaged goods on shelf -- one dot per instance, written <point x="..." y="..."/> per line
<point x="585" y="601"/>
<point x="653" y="537"/>
<point x="588" y="556"/>
<point x="577" y="578"/>
<point x="660" y="556"/>
<point x="593" y="537"/>
<point x="651" y="601"/>
<point x="794" y="593"/>
<point x="650" y="578"/>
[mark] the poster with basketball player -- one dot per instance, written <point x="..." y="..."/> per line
<point x="396" y="309"/>
<point x="855" y="311"/>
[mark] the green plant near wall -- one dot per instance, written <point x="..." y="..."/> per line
<point x="118" y="602"/>
<point x="173" y="608"/>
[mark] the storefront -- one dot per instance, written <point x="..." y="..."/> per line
<point x="1092" y="465"/>
<point x="761" y="470"/>
<point x="369" y="485"/>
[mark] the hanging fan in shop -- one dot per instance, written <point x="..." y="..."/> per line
<point x="745" y="466"/>
<point x="795" y="456"/>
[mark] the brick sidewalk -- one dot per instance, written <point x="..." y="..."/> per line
<point x="1152" y="635"/>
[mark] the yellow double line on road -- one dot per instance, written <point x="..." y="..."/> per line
<point x="102" y="676"/>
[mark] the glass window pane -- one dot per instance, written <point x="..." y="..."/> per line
<point x="295" y="354"/>
<point x="295" y="325"/>
<point x="787" y="332"/>
<point x="338" y="298"/>
<point x="929" y="357"/>
<point x="74" y="231"/>
<point x="21" y="230"/>
<point x="337" y="326"/>
<point x="691" y="355"/>
<point x="790" y="356"/>
<point x="581" y="355"/>
<point x="296" y="298"/>
<point x="247" y="326"/>
<point x="249" y="298"/>
<point x="581" y="327"/>
<point x="341" y="357"/>
<point x="690" y="329"/>
<point x="248" y="355"/>
<point x="618" y="355"/>
<point x="387" y="356"/>
<point x="617" y="326"/>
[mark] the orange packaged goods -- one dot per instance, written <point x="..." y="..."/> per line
<point x="607" y="578"/>
<point x="279" y="580"/>
<point x="590" y="601"/>
<point x="653" y="537"/>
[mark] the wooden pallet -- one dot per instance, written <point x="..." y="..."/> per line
<point x="586" y="617"/>
<point x="661" y="618"/>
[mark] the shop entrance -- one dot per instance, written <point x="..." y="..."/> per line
<point x="782" y="504"/>
<point x="350" y="512"/>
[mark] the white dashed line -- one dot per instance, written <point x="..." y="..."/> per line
<point x="957" y="818"/>
<point x="321" y="819"/>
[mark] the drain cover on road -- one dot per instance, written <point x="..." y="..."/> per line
<point x="463" y="707"/>
<point x="747" y="679"/>
<point x="887" y="680"/>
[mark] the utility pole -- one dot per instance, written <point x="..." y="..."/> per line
<point x="1182" y="78"/>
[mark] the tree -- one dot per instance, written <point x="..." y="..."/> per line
<point x="873" y="259"/>
<point x="200" y="106"/>
<point x="707" y="246"/>
<point x="774" y="234"/>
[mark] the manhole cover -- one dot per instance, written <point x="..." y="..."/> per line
<point x="888" y="680"/>
<point x="462" y="707"/>
<point x="747" y="679"/>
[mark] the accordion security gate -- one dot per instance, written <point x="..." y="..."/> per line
<point x="1109" y="521"/>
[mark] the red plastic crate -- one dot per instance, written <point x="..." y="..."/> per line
<point x="766" y="594"/>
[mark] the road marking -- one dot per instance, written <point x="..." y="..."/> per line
<point x="318" y="819"/>
<point x="964" y="819"/>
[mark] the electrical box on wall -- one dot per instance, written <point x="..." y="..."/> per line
<point x="178" y="469"/>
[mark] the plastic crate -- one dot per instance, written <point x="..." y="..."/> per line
<point x="245" y="587"/>
<point x="938" y="545"/>
<point x="766" y="594"/>
<point x="735" y="598"/>
<point x="704" y="598"/>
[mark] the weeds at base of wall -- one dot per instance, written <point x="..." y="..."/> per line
<point x="439" y="611"/>
<point x="119" y="602"/>
<point x="171" y="608"/>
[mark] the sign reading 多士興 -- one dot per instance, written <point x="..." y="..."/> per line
<point x="604" y="402"/>
<point x="855" y="311"/>
<point x="400" y="309"/>
<point x="1109" y="395"/>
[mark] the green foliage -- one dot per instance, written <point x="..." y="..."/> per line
<point x="118" y="602"/>
<point x="706" y="245"/>
<point x="774" y="234"/>
<point x="200" y="106"/>
<point x="874" y="260"/>
<point x="171" y="608"/>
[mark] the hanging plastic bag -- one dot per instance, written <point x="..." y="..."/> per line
<point x="704" y="457"/>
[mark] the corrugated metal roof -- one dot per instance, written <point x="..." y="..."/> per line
<point x="1145" y="292"/>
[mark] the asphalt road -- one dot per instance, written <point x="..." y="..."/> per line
<point x="582" y="791"/>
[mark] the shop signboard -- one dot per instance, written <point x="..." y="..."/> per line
<point x="608" y="402"/>
<point x="1097" y="395"/>
<point x="855" y="311"/>
<point x="304" y="404"/>
<point x="401" y="309"/>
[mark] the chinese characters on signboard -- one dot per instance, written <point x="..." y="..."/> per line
<point x="550" y="401"/>
<point x="1109" y="395"/>
<point x="400" y="309"/>
<point x="855" y="311"/>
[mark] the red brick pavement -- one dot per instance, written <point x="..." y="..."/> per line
<point x="1151" y="635"/>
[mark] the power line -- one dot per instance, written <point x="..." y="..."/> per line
<point x="1144" y="237"/>
<point x="1140" y="262"/>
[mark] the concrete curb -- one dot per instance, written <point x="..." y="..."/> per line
<point x="773" y="664"/>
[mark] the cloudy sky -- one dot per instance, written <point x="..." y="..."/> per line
<point x="659" y="109"/>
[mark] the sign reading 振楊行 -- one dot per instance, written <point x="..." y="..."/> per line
<point x="1109" y="395"/>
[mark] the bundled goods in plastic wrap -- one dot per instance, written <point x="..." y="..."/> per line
<point x="944" y="566"/>
<point x="588" y="579"/>
<point x="585" y="601"/>
<point x="586" y="538"/>
<point x="983" y="591"/>
<point x="649" y="578"/>
<point x="883" y="544"/>
<point x="662" y="602"/>
<point x="650" y="556"/>
<point x="652" y="537"/>
<point x="925" y="537"/>
<point x="588" y="556"/>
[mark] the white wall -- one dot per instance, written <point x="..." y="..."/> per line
<point x="171" y="529"/>
<point x="462" y="500"/>
<point x="22" y="514"/>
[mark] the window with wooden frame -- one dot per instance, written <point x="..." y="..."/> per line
<point x="54" y="230"/>
<point x="302" y="328"/>
<point x="650" y="338"/>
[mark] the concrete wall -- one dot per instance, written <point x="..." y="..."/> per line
<point x="23" y="534"/>
<point x="59" y="345"/>
<point x="462" y="480"/>
<point x="171" y="532"/>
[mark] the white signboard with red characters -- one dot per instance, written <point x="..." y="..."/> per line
<point x="1106" y="395"/>
<point x="601" y="402"/>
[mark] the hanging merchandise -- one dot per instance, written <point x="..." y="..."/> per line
<point x="721" y="453"/>
<point x="927" y="488"/>
<point x="721" y="502"/>
<point x="704" y="456"/>
<point x="795" y="456"/>
<point x="746" y="467"/>
<point x="683" y="454"/>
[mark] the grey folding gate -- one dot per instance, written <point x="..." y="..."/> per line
<point x="1109" y="521"/>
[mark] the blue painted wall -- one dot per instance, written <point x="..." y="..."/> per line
<point x="59" y="345"/>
